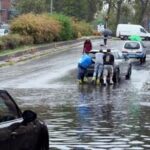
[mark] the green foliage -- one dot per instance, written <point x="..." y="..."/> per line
<point x="41" y="28"/>
<point x="66" y="32"/>
<point x="83" y="9"/>
<point x="2" y="45"/>
<point x="35" y="6"/>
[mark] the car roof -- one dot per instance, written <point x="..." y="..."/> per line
<point x="128" y="41"/>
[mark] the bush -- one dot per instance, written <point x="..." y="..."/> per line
<point x="26" y="40"/>
<point x="66" y="32"/>
<point x="2" y="45"/>
<point x="12" y="41"/>
<point x="41" y="28"/>
<point x="81" y="28"/>
<point x="96" y="33"/>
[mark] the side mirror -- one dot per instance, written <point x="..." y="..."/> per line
<point x="28" y="116"/>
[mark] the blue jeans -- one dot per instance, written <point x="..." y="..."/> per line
<point x="81" y="72"/>
<point x="98" y="69"/>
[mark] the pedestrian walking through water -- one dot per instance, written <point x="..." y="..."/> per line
<point x="105" y="38"/>
<point x="108" y="66"/>
<point x="87" y="47"/>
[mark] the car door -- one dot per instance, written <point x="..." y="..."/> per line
<point x="19" y="136"/>
<point x="144" y="48"/>
<point x="8" y="116"/>
<point x="122" y="63"/>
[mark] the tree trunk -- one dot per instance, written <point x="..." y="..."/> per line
<point x="109" y="7"/>
<point x="119" y="3"/>
<point x="144" y="4"/>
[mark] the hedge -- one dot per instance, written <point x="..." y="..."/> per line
<point x="42" y="28"/>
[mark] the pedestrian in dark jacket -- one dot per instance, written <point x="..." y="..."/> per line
<point x="105" y="39"/>
<point x="108" y="66"/>
<point x="87" y="47"/>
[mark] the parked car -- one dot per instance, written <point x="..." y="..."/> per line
<point x="3" y="32"/>
<point x="20" y="131"/>
<point x="135" y="49"/>
<point x="122" y="65"/>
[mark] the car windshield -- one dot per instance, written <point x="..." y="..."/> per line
<point x="118" y="55"/>
<point x="132" y="45"/>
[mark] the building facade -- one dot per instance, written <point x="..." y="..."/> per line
<point x="5" y="7"/>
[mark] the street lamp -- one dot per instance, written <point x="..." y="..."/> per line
<point x="51" y="6"/>
<point x="106" y="21"/>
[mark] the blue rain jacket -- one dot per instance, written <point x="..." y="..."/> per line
<point x="85" y="61"/>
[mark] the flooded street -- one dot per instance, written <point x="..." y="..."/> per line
<point x="83" y="117"/>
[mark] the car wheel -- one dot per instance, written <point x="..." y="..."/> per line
<point x="116" y="76"/>
<point x="125" y="37"/>
<point x="146" y="38"/>
<point x="141" y="60"/>
<point x="144" y="59"/>
<point x="43" y="141"/>
<point x="129" y="73"/>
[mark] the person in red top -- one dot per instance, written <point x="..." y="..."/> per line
<point x="87" y="47"/>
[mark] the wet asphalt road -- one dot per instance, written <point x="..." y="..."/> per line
<point x="83" y="117"/>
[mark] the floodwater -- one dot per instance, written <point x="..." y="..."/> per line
<point x="93" y="117"/>
<point x="83" y="117"/>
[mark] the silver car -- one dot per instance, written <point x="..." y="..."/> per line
<point x="135" y="49"/>
<point x="122" y="65"/>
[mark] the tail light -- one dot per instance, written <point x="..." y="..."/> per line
<point x="124" y="51"/>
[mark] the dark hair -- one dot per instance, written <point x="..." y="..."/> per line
<point x="108" y="50"/>
<point x="101" y="50"/>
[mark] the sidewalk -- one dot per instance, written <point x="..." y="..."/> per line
<point x="36" y="51"/>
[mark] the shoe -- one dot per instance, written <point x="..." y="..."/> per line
<point x="94" y="78"/>
<point x="80" y="81"/>
<point x="97" y="81"/>
<point x="111" y="82"/>
<point x="104" y="82"/>
<point x="85" y="79"/>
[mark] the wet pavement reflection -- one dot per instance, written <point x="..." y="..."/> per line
<point x="101" y="118"/>
<point x="84" y="117"/>
<point x="87" y="117"/>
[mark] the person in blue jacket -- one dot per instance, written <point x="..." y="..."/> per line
<point x="84" y="62"/>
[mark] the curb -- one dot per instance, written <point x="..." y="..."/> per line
<point x="36" y="51"/>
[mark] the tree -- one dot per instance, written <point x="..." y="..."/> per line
<point x="26" y="6"/>
<point x="140" y="8"/>
<point x="84" y="9"/>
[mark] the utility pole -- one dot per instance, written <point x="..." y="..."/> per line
<point x="51" y="6"/>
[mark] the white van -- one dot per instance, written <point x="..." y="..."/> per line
<point x="125" y="30"/>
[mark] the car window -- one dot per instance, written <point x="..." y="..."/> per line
<point x="8" y="110"/>
<point x="142" y="30"/>
<point x="143" y="45"/>
<point x="132" y="45"/>
<point x="6" y="31"/>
